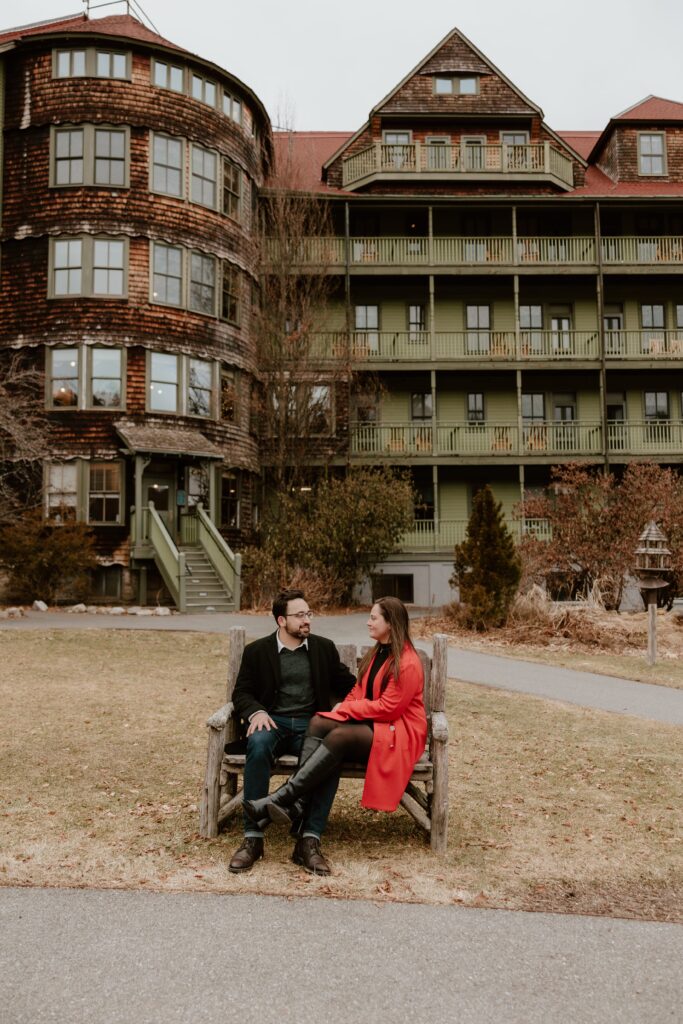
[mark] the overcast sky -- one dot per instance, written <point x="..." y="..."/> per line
<point x="324" y="66"/>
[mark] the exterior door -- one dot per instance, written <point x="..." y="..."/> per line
<point x="162" y="491"/>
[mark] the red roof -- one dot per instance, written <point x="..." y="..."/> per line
<point x="120" y="25"/>
<point x="299" y="157"/>
<point x="598" y="184"/>
<point x="581" y="142"/>
<point x="652" y="108"/>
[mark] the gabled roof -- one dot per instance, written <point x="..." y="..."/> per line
<point x="476" y="62"/>
<point x="121" y="25"/>
<point x="581" y="142"/>
<point x="652" y="108"/>
<point x="299" y="157"/>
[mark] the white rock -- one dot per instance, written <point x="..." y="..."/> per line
<point x="144" y="611"/>
<point x="117" y="611"/>
<point x="39" y="606"/>
<point x="92" y="609"/>
<point x="78" y="609"/>
<point x="134" y="610"/>
<point x="4" y="614"/>
<point x="161" y="610"/>
<point x="15" y="613"/>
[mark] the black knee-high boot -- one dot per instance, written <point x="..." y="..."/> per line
<point x="278" y="806"/>
<point x="263" y="820"/>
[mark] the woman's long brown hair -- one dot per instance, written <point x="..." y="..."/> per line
<point x="396" y="617"/>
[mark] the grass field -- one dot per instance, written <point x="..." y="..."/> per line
<point x="102" y="749"/>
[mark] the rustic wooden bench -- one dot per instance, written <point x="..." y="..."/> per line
<point x="426" y="795"/>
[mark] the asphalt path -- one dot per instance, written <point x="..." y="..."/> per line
<point x="88" y="957"/>
<point x="586" y="689"/>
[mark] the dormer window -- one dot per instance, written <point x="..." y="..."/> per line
<point x="456" y="85"/>
<point x="652" y="153"/>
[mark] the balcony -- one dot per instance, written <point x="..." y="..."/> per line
<point x="639" y="251"/>
<point x="492" y="440"/>
<point x="428" y="162"/>
<point x="444" y="534"/>
<point x="650" y="343"/>
<point x="375" y="347"/>
<point x="645" y="437"/>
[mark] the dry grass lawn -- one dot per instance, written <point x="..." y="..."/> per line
<point x="102" y="756"/>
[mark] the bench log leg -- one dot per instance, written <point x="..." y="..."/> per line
<point x="211" y="795"/>
<point x="439" y="801"/>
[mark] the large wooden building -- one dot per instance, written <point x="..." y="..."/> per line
<point x="512" y="293"/>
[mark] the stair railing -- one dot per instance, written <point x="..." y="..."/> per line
<point x="170" y="561"/>
<point x="227" y="564"/>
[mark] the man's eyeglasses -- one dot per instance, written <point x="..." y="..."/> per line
<point x="300" y="615"/>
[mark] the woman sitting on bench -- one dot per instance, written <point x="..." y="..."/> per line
<point x="381" y="723"/>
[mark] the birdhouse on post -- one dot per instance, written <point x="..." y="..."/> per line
<point x="653" y="563"/>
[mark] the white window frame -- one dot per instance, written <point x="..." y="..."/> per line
<point x="205" y="85"/>
<point x="107" y="464"/>
<point x="168" y="75"/>
<point x="88" y="391"/>
<point x="63" y="480"/>
<point x="204" y="153"/>
<point x="178" y="140"/>
<point x="50" y="377"/>
<point x="83" y="375"/>
<point x="91" y="56"/>
<point x="186" y="279"/>
<point x="233" y="107"/>
<point x="88" y="244"/>
<point x="230" y="271"/>
<point x="455" y="85"/>
<point x="182" y="385"/>
<point x="642" y="136"/>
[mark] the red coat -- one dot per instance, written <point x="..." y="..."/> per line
<point x="400" y="729"/>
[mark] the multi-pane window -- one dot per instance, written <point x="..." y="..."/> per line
<point x="475" y="407"/>
<point x="232" y="107"/>
<point x="230" y="503"/>
<point x="202" y="283"/>
<point x="111" y="65"/>
<point x="203" y="89"/>
<point x="319" y="405"/>
<point x="64" y="378"/>
<point x="104" y="501"/>
<point x="167" y="165"/>
<point x="478" y="323"/>
<point x="67" y="266"/>
<point x="232" y="181"/>
<point x="108" y="267"/>
<point x="656" y="405"/>
<point x="367" y="323"/>
<point x="651" y="153"/>
<point x="533" y="407"/>
<point x="456" y="85"/>
<point x="91" y="63"/>
<point x="230" y="294"/>
<point x="204" y="177"/>
<point x="228" y="396"/>
<point x="560" y="327"/>
<point x="167" y="274"/>
<point x="90" y="156"/>
<point x="531" y="327"/>
<point x="652" y="321"/>
<point x="417" y="324"/>
<point x="199" y="378"/>
<point x="163" y="382"/>
<point x="421" y="405"/>
<point x="88" y="266"/>
<point x="61" y="492"/>
<point x="168" y="76"/>
<point x="105" y="377"/>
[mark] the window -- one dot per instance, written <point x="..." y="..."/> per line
<point x="61" y="492"/>
<point x="367" y="407"/>
<point x="367" y="326"/>
<point x="651" y="153"/>
<point x="397" y="152"/>
<point x="533" y="407"/>
<point x="456" y="85"/>
<point x="653" y="334"/>
<point x="473" y="152"/>
<point x="231" y="305"/>
<point x="232" y="181"/>
<point x="163" y="385"/>
<point x="421" y="405"/>
<point x="656" y="405"/>
<point x="531" y="327"/>
<point x="202" y="283"/>
<point x="475" y="407"/>
<point x="438" y="152"/>
<point x="64" y="378"/>
<point x="203" y="90"/>
<point x="228" y="396"/>
<point x="91" y="63"/>
<point x="318" y="398"/>
<point x="613" y="322"/>
<point x="478" y="321"/>
<point x="104" y="502"/>
<point x="199" y="387"/>
<point x="204" y="177"/>
<point x="416" y="323"/>
<point x="105" y="378"/>
<point x="232" y="107"/>
<point x="167" y="275"/>
<point x="516" y="155"/>
<point x="230" y="500"/>
<point x="168" y="76"/>
<point x="560" y="327"/>
<point x="533" y="419"/>
<point x="111" y="65"/>
<point x="90" y="156"/>
<point x="88" y="267"/>
<point x="167" y="165"/>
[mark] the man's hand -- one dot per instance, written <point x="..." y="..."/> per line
<point x="261" y="720"/>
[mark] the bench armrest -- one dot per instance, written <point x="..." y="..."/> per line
<point x="220" y="718"/>
<point x="439" y="727"/>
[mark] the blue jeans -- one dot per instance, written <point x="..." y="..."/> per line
<point x="263" y="749"/>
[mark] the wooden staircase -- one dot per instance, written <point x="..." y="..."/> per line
<point x="203" y="587"/>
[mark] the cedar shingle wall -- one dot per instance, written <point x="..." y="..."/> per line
<point x="619" y="158"/>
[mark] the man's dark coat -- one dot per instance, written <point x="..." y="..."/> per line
<point x="259" y="680"/>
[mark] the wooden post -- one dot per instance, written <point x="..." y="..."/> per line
<point x="437" y="701"/>
<point x="651" y="627"/>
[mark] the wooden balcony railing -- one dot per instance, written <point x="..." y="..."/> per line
<point x="645" y="437"/>
<point x="571" y="249"/>
<point x="468" y="161"/>
<point x="655" y="249"/>
<point x="444" y="534"/>
<point x="559" y="345"/>
<point x="649" y="343"/>
<point x="489" y="439"/>
<point x="574" y="437"/>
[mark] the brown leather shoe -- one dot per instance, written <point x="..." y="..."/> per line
<point x="308" y="854"/>
<point x="244" y="858"/>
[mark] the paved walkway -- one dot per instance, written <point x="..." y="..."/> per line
<point x="586" y="689"/>
<point x="87" y="957"/>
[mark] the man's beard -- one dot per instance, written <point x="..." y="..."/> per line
<point x="301" y="631"/>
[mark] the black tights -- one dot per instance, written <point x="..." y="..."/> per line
<point x="349" y="741"/>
